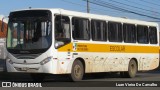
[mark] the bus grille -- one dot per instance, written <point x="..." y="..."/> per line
<point x="28" y="56"/>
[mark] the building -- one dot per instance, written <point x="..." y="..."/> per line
<point x="2" y="43"/>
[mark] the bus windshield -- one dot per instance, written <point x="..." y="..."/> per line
<point x="29" y="34"/>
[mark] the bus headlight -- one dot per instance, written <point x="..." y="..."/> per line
<point x="45" y="60"/>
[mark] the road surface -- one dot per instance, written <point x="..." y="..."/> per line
<point x="63" y="80"/>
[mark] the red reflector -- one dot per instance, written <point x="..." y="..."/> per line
<point x="67" y="58"/>
<point x="55" y="58"/>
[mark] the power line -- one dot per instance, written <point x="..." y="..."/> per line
<point x="91" y="8"/>
<point x="139" y="4"/>
<point x="74" y="4"/>
<point x="152" y="8"/>
<point x="133" y="6"/>
<point x="150" y="2"/>
<point x="111" y="6"/>
<point x="99" y="10"/>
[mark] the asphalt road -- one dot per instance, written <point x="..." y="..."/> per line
<point x="88" y="81"/>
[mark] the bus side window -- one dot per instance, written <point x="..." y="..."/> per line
<point x="129" y="33"/>
<point x="142" y="34"/>
<point x="153" y="35"/>
<point x="62" y="28"/>
<point x="114" y="32"/>
<point x="80" y="28"/>
<point x="99" y="32"/>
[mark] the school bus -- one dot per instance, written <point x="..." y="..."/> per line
<point x="58" y="41"/>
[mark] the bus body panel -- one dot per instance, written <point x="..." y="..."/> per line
<point x="99" y="59"/>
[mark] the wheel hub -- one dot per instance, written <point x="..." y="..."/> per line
<point x="77" y="71"/>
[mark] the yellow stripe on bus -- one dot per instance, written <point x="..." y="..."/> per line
<point x="85" y="47"/>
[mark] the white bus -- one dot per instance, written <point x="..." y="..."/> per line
<point x="57" y="41"/>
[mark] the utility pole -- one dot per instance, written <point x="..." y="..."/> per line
<point x="88" y="8"/>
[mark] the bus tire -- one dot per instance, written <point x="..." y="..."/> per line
<point x="132" y="69"/>
<point x="77" y="71"/>
<point x="37" y="77"/>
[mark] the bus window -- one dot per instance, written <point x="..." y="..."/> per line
<point x="142" y="34"/>
<point x="114" y="32"/>
<point x="62" y="30"/>
<point x="129" y="33"/>
<point x="99" y="32"/>
<point x="153" y="35"/>
<point x="80" y="28"/>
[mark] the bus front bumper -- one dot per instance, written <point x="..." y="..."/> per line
<point x="52" y="67"/>
<point x="29" y="68"/>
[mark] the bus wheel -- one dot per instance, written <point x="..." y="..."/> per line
<point x="37" y="77"/>
<point x="77" y="71"/>
<point x="132" y="69"/>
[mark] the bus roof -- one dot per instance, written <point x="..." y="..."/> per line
<point x="95" y="16"/>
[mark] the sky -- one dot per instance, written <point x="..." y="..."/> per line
<point x="7" y="6"/>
